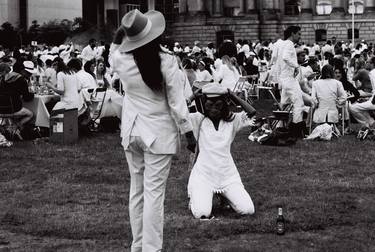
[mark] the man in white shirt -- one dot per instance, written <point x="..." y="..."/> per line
<point x="89" y="52"/>
<point x="328" y="48"/>
<point x="287" y="71"/>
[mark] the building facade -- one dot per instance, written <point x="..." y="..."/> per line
<point x="212" y="20"/>
<point x="215" y="20"/>
<point x="21" y="13"/>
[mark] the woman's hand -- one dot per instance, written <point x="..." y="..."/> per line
<point x="119" y="35"/>
<point x="191" y="141"/>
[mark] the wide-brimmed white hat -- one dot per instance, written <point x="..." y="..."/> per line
<point x="29" y="66"/>
<point x="141" y="29"/>
<point x="214" y="90"/>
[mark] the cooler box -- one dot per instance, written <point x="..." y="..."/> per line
<point x="64" y="126"/>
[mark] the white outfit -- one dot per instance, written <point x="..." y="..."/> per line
<point x="327" y="94"/>
<point x="215" y="170"/>
<point x="227" y="77"/>
<point x="88" y="54"/>
<point x="290" y="89"/>
<point x="203" y="75"/>
<point x="65" y="54"/>
<point x="360" y="112"/>
<point x="69" y="84"/>
<point x="51" y="75"/>
<point x="149" y="130"/>
<point x="86" y="80"/>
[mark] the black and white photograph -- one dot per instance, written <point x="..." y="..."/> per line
<point x="187" y="125"/>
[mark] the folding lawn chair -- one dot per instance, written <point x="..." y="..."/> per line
<point x="97" y="100"/>
<point x="8" y="125"/>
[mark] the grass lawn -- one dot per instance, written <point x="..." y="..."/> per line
<point x="74" y="198"/>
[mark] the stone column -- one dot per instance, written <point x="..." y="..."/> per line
<point x="242" y="7"/>
<point x="151" y="4"/>
<point x="250" y="5"/>
<point x="217" y="9"/>
<point x="182" y="6"/>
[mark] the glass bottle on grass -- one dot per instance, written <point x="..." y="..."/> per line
<point x="280" y="223"/>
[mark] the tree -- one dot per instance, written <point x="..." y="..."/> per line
<point x="8" y="35"/>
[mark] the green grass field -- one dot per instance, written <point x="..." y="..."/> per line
<point x="74" y="198"/>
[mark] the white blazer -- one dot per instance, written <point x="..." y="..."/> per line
<point x="150" y="115"/>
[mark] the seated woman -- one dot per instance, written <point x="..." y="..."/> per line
<point x="227" y="74"/>
<point x="202" y="73"/>
<point x="14" y="86"/>
<point x="327" y="94"/>
<point x="214" y="170"/>
<point x="103" y="79"/>
<point x="87" y="77"/>
<point x="67" y="88"/>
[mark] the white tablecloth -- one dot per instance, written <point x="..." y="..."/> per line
<point x="39" y="109"/>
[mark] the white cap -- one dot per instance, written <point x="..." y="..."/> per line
<point x="214" y="90"/>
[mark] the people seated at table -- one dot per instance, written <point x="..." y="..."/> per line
<point x="67" y="88"/>
<point x="14" y="86"/>
<point x="327" y="94"/>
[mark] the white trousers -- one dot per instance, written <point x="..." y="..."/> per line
<point x="148" y="177"/>
<point x="201" y="195"/>
<point x="291" y="93"/>
<point x="361" y="114"/>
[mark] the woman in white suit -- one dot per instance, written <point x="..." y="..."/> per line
<point x="154" y="112"/>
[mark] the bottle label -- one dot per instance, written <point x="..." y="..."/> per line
<point x="280" y="211"/>
<point x="280" y="227"/>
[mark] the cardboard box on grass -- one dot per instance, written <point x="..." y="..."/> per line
<point x="64" y="126"/>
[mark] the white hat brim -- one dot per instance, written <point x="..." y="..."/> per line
<point x="31" y="71"/>
<point x="157" y="28"/>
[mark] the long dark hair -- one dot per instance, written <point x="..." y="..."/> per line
<point x="62" y="67"/>
<point x="87" y="67"/>
<point x="148" y="60"/>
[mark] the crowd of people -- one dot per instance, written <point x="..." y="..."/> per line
<point x="158" y="83"/>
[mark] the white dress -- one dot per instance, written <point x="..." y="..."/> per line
<point x="214" y="165"/>
<point x="227" y="77"/>
<point x="69" y="84"/>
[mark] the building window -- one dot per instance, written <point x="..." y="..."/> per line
<point x="320" y="35"/>
<point x="356" y="6"/>
<point x="170" y="8"/>
<point x="130" y="7"/>
<point x="221" y="36"/>
<point x="356" y="33"/>
<point x="293" y="7"/>
<point x="324" y="7"/>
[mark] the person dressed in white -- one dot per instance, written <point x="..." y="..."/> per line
<point x="288" y="68"/>
<point x="214" y="170"/>
<point x="89" y="52"/>
<point x="226" y="74"/>
<point x="360" y="111"/>
<point x="202" y="73"/>
<point x="67" y="88"/>
<point x="327" y="94"/>
<point x="50" y="72"/>
<point x="154" y="113"/>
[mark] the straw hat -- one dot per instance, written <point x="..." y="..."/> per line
<point x="29" y="66"/>
<point x="141" y="29"/>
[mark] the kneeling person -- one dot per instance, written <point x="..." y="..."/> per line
<point x="215" y="170"/>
